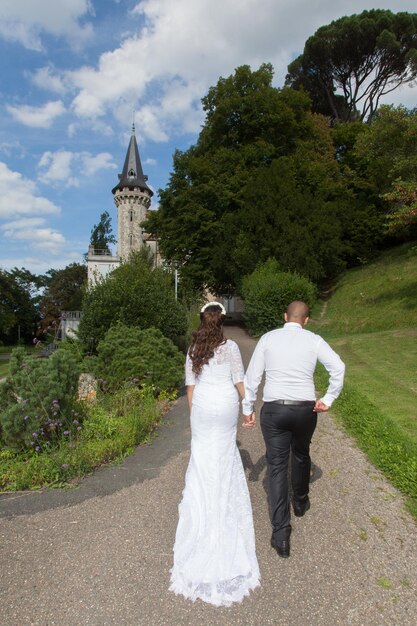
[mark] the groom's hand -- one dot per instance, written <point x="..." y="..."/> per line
<point x="249" y="421"/>
<point x="320" y="407"/>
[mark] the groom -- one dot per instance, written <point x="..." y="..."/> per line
<point x="289" y="414"/>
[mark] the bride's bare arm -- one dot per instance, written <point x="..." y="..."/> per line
<point x="190" y="391"/>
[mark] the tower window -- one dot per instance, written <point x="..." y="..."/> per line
<point x="130" y="215"/>
<point x="131" y="173"/>
<point x="130" y="240"/>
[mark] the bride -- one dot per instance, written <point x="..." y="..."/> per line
<point x="214" y="551"/>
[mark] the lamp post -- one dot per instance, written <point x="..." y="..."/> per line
<point x="176" y="265"/>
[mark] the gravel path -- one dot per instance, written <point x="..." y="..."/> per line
<point x="101" y="555"/>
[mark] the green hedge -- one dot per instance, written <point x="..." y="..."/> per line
<point x="136" y="295"/>
<point x="142" y="356"/>
<point x="267" y="292"/>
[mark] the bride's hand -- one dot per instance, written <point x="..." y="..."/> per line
<point x="249" y="421"/>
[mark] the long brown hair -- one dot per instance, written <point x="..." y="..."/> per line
<point x="207" y="337"/>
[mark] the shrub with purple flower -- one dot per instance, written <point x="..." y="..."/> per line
<point x="40" y="400"/>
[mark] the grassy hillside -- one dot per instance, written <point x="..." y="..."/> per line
<point x="370" y="319"/>
<point x="380" y="296"/>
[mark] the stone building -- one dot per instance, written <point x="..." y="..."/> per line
<point x="132" y="197"/>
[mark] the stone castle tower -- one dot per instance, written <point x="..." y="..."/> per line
<point x="132" y="197"/>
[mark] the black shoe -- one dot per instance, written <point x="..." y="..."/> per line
<point x="300" y="510"/>
<point x="282" y="547"/>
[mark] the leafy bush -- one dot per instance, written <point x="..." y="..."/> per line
<point x="267" y="292"/>
<point x="143" y="356"/>
<point x="136" y="295"/>
<point x="38" y="400"/>
<point x="113" y="426"/>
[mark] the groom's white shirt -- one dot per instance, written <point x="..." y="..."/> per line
<point x="289" y="356"/>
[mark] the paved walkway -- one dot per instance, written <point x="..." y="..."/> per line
<point x="100" y="555"/>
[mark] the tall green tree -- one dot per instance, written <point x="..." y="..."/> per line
<point x="348" y="65"/>
<point x="264" y="180"/>
<point x="299" y="219"/>
<point x="63" y="292"/>
<point x="248" y="124"/>
<point x="386" y="156"/>
<point x="102" y="233"/>
<point x="18" y="308"/>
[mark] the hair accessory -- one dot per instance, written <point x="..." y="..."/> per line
<point x="213" y="304"/>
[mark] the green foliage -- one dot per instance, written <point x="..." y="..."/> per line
<point x="102" y="234"/>
<point x="386" y="157"/>
<point x="133" y="294"/>
<point x="403" y="218"/>
<point x="248" y="124"/>
<point x="298" y="219"/>
<point x="143" y="356"/>
<point x="38" y="400"/>
<point x="387" y="445"/>
<point x="17" y="306"/>
<point x="63" y="292"/>
<point x="387" y="150"/>
<point x="362" y="57"/>
<point x="267" y="292"/>
<point x="112" y="427"/>
<point x="370" y="320"/>
<point x="264" y="181"/>
<point x="380" y="296"/>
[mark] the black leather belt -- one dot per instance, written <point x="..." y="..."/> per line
<point x="293" y="402"/>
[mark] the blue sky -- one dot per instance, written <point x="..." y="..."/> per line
<point x="72" y="73"/>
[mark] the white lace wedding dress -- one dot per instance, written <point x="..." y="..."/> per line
<point x="214" y="551"/>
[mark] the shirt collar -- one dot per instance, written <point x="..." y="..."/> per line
<point x="292" y="325"/>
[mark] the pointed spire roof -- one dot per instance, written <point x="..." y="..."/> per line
<point x="132" y="174"/>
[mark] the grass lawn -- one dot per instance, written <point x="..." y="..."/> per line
<point x="4" y="368"/>
<point x="378" y="296"/>
<point x="383" y="366"/>
<point x="371" y="321"/>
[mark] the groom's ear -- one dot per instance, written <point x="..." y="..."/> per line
<point x="306" y="321"/>
<point x="285" y="317"/>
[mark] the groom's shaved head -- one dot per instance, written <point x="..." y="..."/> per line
<point x="297" y="311"/>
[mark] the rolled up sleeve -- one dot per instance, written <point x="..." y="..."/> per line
<point x="336" y="369"/>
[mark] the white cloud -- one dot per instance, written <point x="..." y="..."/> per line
<point x="10" y="147"/>
<point x="26" y="22"/>
<point x="38" y="117"/>
<point x="92" y="164"/>
<point x="72" y="129"/>
<point x="24" y="223"/>
<point x="41" y="262"/>
<point x="56" y="168"/>
<point x="47" y="78"/>
<point x="19" y="196"/>
<point x="67" y="168"/>
<point x="46" y="239"/>
<point x="151" y="162"/>
<point x="184" y="46"/>
<point x="21" y="205"/>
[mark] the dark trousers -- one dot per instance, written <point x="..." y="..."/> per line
<point x="287" y="427"/>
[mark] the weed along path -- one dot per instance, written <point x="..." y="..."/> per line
<point x="100" y="555"/>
